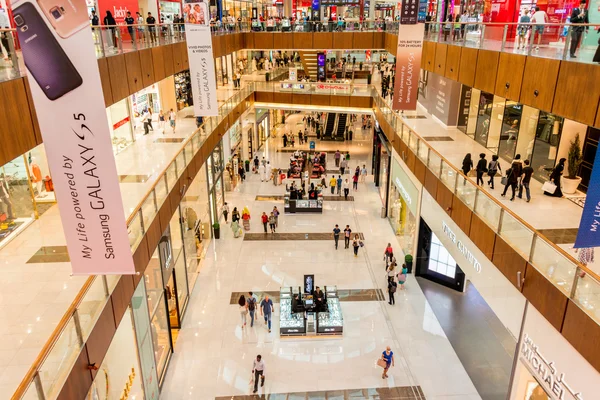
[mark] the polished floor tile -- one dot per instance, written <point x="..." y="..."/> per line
<point x="169" y="140"/>
<point x="392" y="393"/>
<point x="343" y="295"/>
<point x="134" y="178"/>
<point x="50" y="254"/>
<point x="297" y="236"/>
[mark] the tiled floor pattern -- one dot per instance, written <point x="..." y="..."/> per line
<point x="438" y="138"/>
<point x="326" y="198"/>
<point x="343" y="294"/>
<point x="133" y="178"/>
<point x="485" y="347"/>
<point x="392" y="393"/>
<point x="298" y="236"/>
<point x="560" y="236"/>
<point x="50" y="254"/>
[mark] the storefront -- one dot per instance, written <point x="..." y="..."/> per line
<point x="214" y="172"/>
<point x="232" y="152"/>
<point x="183" y="90"/>
<point x="381" y="164"/>
<point x="547" y="367"/>
<point x="147" y="99"/>
<point x="119" y="374"/>
<point x="169" y="9"/>
<point x="121" y="128"/>
<point x="447" y="256"/>
<point x="263" y="126"/>
<point x="403" y="207"/>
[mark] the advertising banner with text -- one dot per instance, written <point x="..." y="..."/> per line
<point x="58" y="51"/>
<point x="408" y="57"/>
<point x="588" y="234"/>
<point x="200" y="54"/>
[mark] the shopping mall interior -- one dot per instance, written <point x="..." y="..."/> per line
<point x="361" y="250"/>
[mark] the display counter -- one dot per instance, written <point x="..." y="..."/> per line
<point x="302" y="317"/>
<point x="292" y="206"/>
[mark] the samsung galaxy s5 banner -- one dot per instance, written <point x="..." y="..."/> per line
<point x="408" y="57"/>
<point x="200" y="54"/>
<point x="58" y="51"/>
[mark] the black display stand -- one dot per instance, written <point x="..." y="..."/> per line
<point x="293" y="206"/>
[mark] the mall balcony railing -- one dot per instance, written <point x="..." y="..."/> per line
<point x="550" y="40"/>
<point x="573" y="279"/>
<point x="50" y="369"/>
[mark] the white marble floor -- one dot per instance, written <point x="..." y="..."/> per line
<point x="213" y="355"/>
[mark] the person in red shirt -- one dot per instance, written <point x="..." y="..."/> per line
<point x="265" y="220"/>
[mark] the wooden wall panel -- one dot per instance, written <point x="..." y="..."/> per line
<point x="79" y="380"/>
<point x="298" y="98"/>
<point x="178" y="57"/>
<point x="320" y="99"/>
<point x="218" y="46"/>
<point x="302" y="40"/>
<point x="184" y="56"/>
<point x="101" y="335"/>
<point x="324" y="39"/>
<point x="363" y="40"/>
<point x="228" y="40"/>
<point x="431" y="183"/>
<point x="390" y="42"/>
<point x="379" y="42"/>
<point x="579" y="92"/>
<point x="483" y="236"/>
<point x="121" y="297"/>
<point x="147" y="64"/>
<point x="544" y="296"/>
<point x="32" y="113"/>
<point x="444" y="197"/>
<point x="282" y="97"/>
<point x="140" y="256"/>
<point x="468" y="66"/>
<point x="105" y="79"/>
<point x="440" y="59"/>
<point x="420" y="168"/>
<point x="119" y="81"/>
<point x="409" y="159"/>
<point x="539" y="82"/>
<point x="583" y="333"/>
<point x="597" y="124"/>
<point x="342" y="40"/>
<point x="487" y="68"/>
<point x="16" y="120"/>
<point x="134" y="71"/>
<point x="168" y="60"/>
<point x="461" y="215"/>
<point x="153" y="235"/>
<point x="360" y="101"/>
<point x="283" y="41"/>
<point x="249" y="39"/>
<point x="340" y="101"/>
<point x="508" y="261"/>
<point x="264" y="97"/>
<point x="428" y="55"/>
<point x="158" y="63"/>
<point x="263" y="40"/>
<point x="510" y="75"/>
<point x="452" y="62"/>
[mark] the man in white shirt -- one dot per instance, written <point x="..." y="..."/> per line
<point x="258" y="369"/>
<point x="539" y="18"/>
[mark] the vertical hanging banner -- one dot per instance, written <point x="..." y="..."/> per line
<point x="408" y="57"/>
<point x="588" y="234"/>
<point x="58" y="51"/>
<point x="200" y="54"/>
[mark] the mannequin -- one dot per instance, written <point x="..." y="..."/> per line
<point x="5" y="197"/>
<point x="36" y="177"/>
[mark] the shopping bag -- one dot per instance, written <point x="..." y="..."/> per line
<point x="549" y="187"/>
<point x="472" y="173"/>
<point x="504" y="181"/>
<point x="381" y="363"/>
<point x="401" y="277"/>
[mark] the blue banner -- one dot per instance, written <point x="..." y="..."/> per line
<point x="589" y="227"/>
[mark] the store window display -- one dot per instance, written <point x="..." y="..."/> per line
<point x="402" y="208"/>
<point x="146" y="100"/>
<point x="41" y="181"/>
<point x="183" y="90"/>
<point x="121" y="129"/>
<point x="547" y="139"/>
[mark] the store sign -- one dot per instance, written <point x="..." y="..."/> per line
<point x="200" y="54"/>
<point x="323" y="86"/>
<point x="118" y="9"/>
<point x="553" y="379"/>
<point x="120" y="123"/>
<point x="589" y="226"/>
<point x="408" y="57"/>
<point x="65" y="82"/>
<point x="461" y="247"/>
<point x="406" y="188"/>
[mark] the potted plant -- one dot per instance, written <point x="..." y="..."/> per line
<point x="247" y="165"/>
<point x="216" y="230"/>
<point x="408" y="260"/>
<point x="571" y="181"/>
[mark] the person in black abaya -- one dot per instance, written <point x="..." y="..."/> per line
<point x="555" y="178"/>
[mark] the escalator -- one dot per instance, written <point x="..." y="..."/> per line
<point x="341" y="127"/>
<point x="329" y="126"/>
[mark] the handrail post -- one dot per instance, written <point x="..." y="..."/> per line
<point x="13" y="54"/>
<point x="575" y="281"/>
<point x="39" y="388"/>
<point x="531" y="39"/>
<point x="101" y="34"/>
<point x="482" y="37"/>
<point x="105" y="285"/>
<point x="567" y="41"/>
<point x="500" y="219"/>
<point x="504" y="38"/>
<point x="78" y="330"/>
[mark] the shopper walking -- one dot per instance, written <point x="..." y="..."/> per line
<point x="251" y="303"/>
<point x="265" y="220"/>
<point x="481" y="168"/>
<point x="392" y="287"/>
<point x="346" y="187"/>
<point x="258" y="369"/>
<point x="262" y="170"/>
<point x="512" y="176"/>
<point x="272" y="223"/>
<point x="347" y="236"/>
<point x="388" y="254"/>
<point x="356" y="245"/>
<point x="225" y="211"/>
<point x="391" y="272"/>
<point x="579" y="15"/>
<point x="363" y="173"/>
<point x="172" y="119"/>
<point x="332" y="183"/>
<point x="555" y="178"/>
<point x="525" y="180"/>
<point x="493" y="169"/>
<point x="388" y="357"/>
<point x="343" y="165"/>
<point x="467" y="164"/>
<point x="337" y="157"/>
<point x="256" y="162"/>
<point x="336" y="235"/>
<point x="161" y="121"/>
<point x="355" y="182"/>
<point x="276" y="215"/>
<point x="266" y="310"/>
<point x="339" y="185"/>
<point x="243" y="309"/>
<point x="402" y="276"/>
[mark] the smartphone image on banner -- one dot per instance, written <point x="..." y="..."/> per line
<point x="66" y="16"/>
<point x="43" y="56"/>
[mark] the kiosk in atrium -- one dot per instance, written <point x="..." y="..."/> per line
<point x="310" y="312"/>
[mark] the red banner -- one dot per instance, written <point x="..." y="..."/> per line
<point x="119" y="9"/>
